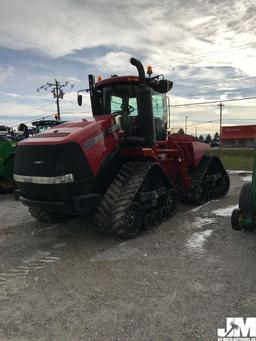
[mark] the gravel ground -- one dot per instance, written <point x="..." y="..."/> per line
<point x="177" y="282"/>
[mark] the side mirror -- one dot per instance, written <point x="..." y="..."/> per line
<point x="165" y="85"/>
<point x="162" y="86"/>
<point x="79" y="100"/>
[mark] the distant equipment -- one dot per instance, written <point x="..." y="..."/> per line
<point x="8" y="142"/>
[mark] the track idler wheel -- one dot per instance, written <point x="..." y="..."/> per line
<point x="133" y="221"/>
<point x="162" y="213"/>
<point x="225" y="185"/>
<point x="171" y="202"/>
<point x="148" y="223"/>
<point x="202" y="195"/>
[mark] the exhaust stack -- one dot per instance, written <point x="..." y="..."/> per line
<point x="140" y="69"/>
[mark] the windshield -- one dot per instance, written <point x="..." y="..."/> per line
<point x="122" y="98"/>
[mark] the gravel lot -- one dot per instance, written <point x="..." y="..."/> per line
<point x="177" y="282"/>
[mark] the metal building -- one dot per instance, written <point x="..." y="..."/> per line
<point x="238" y="136"/>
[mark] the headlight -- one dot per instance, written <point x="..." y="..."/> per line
<point x="45" y="180"/>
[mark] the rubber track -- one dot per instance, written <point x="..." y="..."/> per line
<point x="198" y="176"/>
<point x="110" y="214"/>
<point x="201" y="171"/>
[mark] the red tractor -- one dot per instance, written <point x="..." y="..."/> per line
<point x="122" y="164"/>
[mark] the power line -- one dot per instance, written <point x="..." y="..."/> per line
<point x="239" y="119"/>
<point x="214" y="101"/>
<point x="197" y="124"/>
<point x="177" y="85"/>
<point x="207" y="54"/>
<point x="220" y="91"/>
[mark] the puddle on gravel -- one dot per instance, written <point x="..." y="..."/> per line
<point x="224" y="212"/>
<point x="199" y="223"/>
<point x="14" y="279"/>
<point x="197" y="240"/>
<point x="118" y="252"/>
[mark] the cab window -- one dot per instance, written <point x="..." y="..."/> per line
<point x="116" y="103"/>
<point x="133" y="104"/>
<point x="159" y="109"/>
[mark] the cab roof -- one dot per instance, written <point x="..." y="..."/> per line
<point x="117" y="80"/>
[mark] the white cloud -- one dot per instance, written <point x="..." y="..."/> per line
<point x="114" y="61"/>
<point x="5" y="74"/>
<point x="184" y="39"/>
<point x="159" y="31"/>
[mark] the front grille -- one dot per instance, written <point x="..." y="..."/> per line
<point x="53" y="160"/>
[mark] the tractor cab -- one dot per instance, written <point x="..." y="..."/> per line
<point x="139" y="104"/>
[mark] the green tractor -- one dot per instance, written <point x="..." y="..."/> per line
<point x="42" y="125"/>
<point x="244" y="217"/>
<point x="7" y="153"/>
<point x="8" y="142"/>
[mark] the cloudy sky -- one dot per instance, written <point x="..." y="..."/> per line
<point x="207" y="47"/>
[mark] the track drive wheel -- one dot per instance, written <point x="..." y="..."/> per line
<point x="237" y="220"/>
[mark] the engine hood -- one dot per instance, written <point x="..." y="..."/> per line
<point x="76" y="131"/>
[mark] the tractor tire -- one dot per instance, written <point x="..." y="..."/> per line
<point x="236" y="220"/>
<point x="246" y="200"/>
<point x="46" y="217"/>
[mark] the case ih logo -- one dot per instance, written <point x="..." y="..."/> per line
<point x="238" y="329"/>
<point x="94" y="140"/>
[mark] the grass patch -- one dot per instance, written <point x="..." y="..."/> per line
<point x="235" y="159"/>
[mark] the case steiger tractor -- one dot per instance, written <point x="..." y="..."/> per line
<point x="121" y="164"/>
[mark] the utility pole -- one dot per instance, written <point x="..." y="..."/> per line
<point x="221" y="105"/>
<point x="57" y="91"/>
<point x="186" y="124"/>
<point x="196" y="131"/>
<point x="56" y="94"/>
